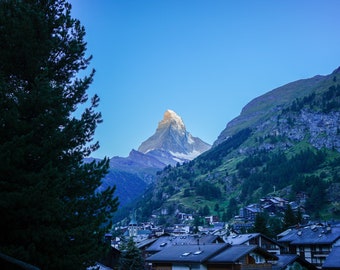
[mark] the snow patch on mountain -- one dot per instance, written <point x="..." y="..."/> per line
<point x="188" y="156"/>
<point x="171" y="142"/>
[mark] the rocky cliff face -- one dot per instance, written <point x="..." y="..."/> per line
<point x="320" y="129"/>
<point x="271" y="103"/>
<point x="264" y="114"/>
<point x="171" y="142"/>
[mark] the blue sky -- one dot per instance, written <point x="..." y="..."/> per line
<point x="203" y="59"/>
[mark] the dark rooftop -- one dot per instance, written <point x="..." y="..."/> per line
<point x="333" y="259"/>
<point x="232" y="254"/>
<point x="167" y="241"/>
<point x="311" y="235"/>
<point x="187" y="253"/>
<point x="288" y="259"/>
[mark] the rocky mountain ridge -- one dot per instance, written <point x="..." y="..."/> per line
<point x="274" y="101"/>
<point x="171" y="144"/>
<point x="287" y="138"/>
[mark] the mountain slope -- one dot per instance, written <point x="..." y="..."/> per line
<point x="171" y="144"/>
<point x="284" y="143"/>
<point x="263" y="106"/>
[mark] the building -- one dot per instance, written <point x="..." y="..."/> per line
<point x="249" y="212"/>
<point x="187" y="240"/>
<point x="212" y="257"/>
<point x="332" y="262"/>
<point x="240" y="257"/>
<point x="313" y="243"/>
<point x="258" y="239"/>
<point x="292" y="261"/>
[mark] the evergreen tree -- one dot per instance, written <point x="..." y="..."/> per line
<point x="197" y="222"/>
<point x="131" y="257"/>
<point x="51" y="214"/>
<point x="289" y="218"/>
<point x="260" y="224"/>
<point x="275" y="226"/>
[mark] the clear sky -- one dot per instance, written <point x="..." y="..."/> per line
<point x="204" y="59"/>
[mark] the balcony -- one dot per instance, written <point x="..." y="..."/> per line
<point x="320" y="254"/>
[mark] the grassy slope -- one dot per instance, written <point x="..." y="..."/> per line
<point x="225" y="174"/>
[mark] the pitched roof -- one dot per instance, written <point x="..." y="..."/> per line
<point x="288" y="259"/>
<point x="236" y="252"/>
<point x="187" y="253"/>
<point x="146" y="242"/>
<point x="311" y="235"/>
<point x="333" y="259"/>
<point x="166" y="241"/>
<point x="285" y="260"/>
<point x="244" y="238"/>
<point x="241" y="238"/>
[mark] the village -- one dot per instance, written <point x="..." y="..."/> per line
<point x="220" y="245"/>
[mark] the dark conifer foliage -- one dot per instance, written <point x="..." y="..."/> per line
<point x="51" y="214"/>
<point x="131" y="258"/>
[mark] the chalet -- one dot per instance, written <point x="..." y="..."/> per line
<point x="185" y="217"/>
<point x="211" y="219"/>
<point x="180" y="229"/>
<point x="144" y="245"/>
<point x="258" y="239"/>
<point x="279" y="203"/>
<point x="186" y="240"/>
<point x="250" y="211"/>
<point x="212" y="257"/>
<point x="292" y="261"/>
<point x="332" y="262"/>
<point x="313" y="243"/>
<point x="242" y="257"/>
<point x="241" y="226"/>
<point x="191" y="256"/>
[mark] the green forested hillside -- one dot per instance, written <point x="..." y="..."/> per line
<point x="292" y="151"/>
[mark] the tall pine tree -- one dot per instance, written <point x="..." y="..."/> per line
<point x="50" y="213"/>
<point x="131" y="257"/>
<point x="289" y="218"/>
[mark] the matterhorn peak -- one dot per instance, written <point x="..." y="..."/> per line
<point x="172" y="119"/>
<point x="171" y="142"/>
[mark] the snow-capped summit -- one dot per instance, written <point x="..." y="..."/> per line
<point x="171" y="142"/>
<point x="171" y="118"/>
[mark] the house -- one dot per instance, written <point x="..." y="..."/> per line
<point x="212" y="257"/>
<point x="242" y="257"/>
<point x="241" y="226"/>
<point x="258" y="239"/>
<point x="313" y="243"/>
<point x="144" y="245"/>
<point x="211" y="219"/>
<point x="292" y="261"/>
<point x="332" y="262"/>
<point x="185" y="217"/>
<point x="250" y="211"/>
<point x="273" y="204"/>
<point x="185" y="240"/>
